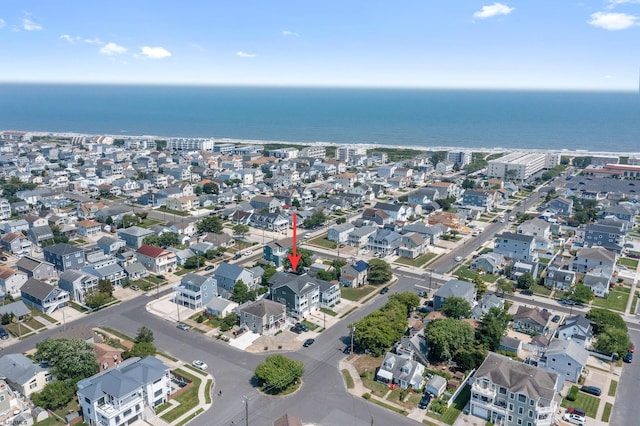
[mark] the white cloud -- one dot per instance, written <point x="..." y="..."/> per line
<point x="29" y="25"/>
<point x="493" y="10"/>
<point x="155" y="52"/>
<point x="613" y="21"/>
<point x="614" y="3"/>
<point x="69" y="39"/>
<point x="111" y="49"/>
<point x="93" y="41"/>
<point x="245" y="54"/>
<point x="1" y="22"/>
<point x="290" y="33"/>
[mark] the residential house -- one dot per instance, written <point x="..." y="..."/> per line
<point x="577" y="328"/>
<point x="481" y="200"/>
<point x="16" y="243"/>
<point x="490" y="263"/>
<point x="397" y="212"/>
<point x="448" y="219"/>
<point x="559" y="279"/>
<point x="270" y="221"/>
<point x="195" y="291"/>
<point x="354" y="274"/>
<point x="599" y="281"/>
<point x="227" y="276"/>
<point x="110" y="245"/>
<point x="264" y="316"/>
<point x="88" y="228"/>
<point x="123" y="395"/>
<point x="220" y="307"/>
<point x="515" y="246"/>
<point x="112" y="272"/>
<point x="431" y="233"/>
<point x="42" y="296"/>
<point x="220" y="240"/>
<point x="511" y="344"/>
<point x="134" y="235"/>
<point x="412" y="245"/>
<point x="14" y="226"/>
<point x="531" y="320"/>
<point x="187" y="229"/>
<point x="607" y="236"/>
<point x="565" y="358"/>
<point x="299" y="293"/>
<point x="360" y="236"/>
<point x="561" y="206"/>
<point x="510" y="393"/>
<point x="263" y="203"/>
<point x="64" y="256"/>
<point x="40" y="234"/>
<point x="340" y="233"/>
<point x="401" y="371"/>
<point x="329" y="293"/>
<point x="619" y="212"/>
<point x="156" y="259"/>
<point x="184" y="203"/>
<point x="384" y="241"/>
<point x="377" y="216"/>
<point x="454" y="288"/>
<point x="519" y="267"/>
<point x="488" y="301"/>
<point x="591" y="258"/>
<point x="181" y="254"/>
<point x="536" y="227"/>
<point x="35" y="268"/>
<point x="24" y="375"/>
<point x="276" y="251"/>
<point x="35" y="221"/>
<point x="11" y="281"/>
<point x="414" y="346"/>
<point x="78" y="284"/>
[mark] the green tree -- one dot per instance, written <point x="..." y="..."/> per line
<point x="602" y="318"/>
<point x="447" y="336"/>
<point x="55" y="394"/>
<point x="141" y="350"/>
<point x="210" y="188"/>
<point x="525" y="281"/>
<point x="316" y="220"/>
<point x="240" y="230"/>
<point x="470" y="356"/>
<point x="468" y="183"/>
<point x="582" y="293"/>
<point x="95" y="299"/>
<point x="210" y="224"/>
<point x="504" y="286"/>
<point x="305" y="260"/>
<point x="341" y="220"/>
<point x="438" y="157"/>
<point x="195" y="262"/>
<point x="277" y="372"/>
<point x="456" y="307"/>
<point x="378" y="330"/>
<point x="130" y="220"/>
<point x="144" y="335"/>
<point x="241" y="293"/>
<point x="379" y="272"/>
<point x="269" y="271"/>
<point x="494" y="325"/>
<point x="613" y="341"/>
<point x="481" y="286"/>
<point x="408" y="299"/>
<point x="295" y="203"/>
<point x="105" y="286"/>
<point x="198" y="191"/>
<point x="69" y="359"/>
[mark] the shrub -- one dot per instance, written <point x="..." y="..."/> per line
<point x="573" y="393"/>
<point x="366" y="395"/>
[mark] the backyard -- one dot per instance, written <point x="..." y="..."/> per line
<point x="355" y="294"/>
<point x="617" y="299"/>
<point x="587" y="402"/>
<point x="418" y="261"/>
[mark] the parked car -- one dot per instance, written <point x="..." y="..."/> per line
<point x="593" y="390"/>
<point x="384" y="290"/>
<point x="574" y="418"/>
<point x="628" y="358"/>
<point x="458" y="258"/>
<point x="308" y="342"/>
<point x="576" y="410"/>
<point x="160" y="277"/>
<point x="4" y="258"/>
<point x="200" y="364"/>
<point x="424" y="401"/>
<point x="347" y="350"/>
<point x="135" y="287"/>
<point x="302" y="326"/>
<point x="555" y="318"/>
<point x="183" y="327"/>
<point x="296" y="330"/>
<point x="527" y="292"/>
<point x="3" y="334"/>
<point x="237" y="256"/>
<point x="209" y="267"/>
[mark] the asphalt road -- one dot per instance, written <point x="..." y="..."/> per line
<point x="626" y="410"/>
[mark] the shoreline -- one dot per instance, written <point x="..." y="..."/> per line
<point x="371" y="146"/>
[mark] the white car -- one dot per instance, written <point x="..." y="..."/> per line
<point x="458" y="258"/>
<point x="200" y="364"/>
<point x="575" y="419"/>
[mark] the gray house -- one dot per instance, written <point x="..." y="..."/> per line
<point x="609" y="237"/>
<point x="340" y="233"/>
<point x="77" y="284"/>
<point x="134" y="235"/>
<point x="566" y="358"/>
<point x="454" y="288"/>
<point x="228" y="274"/>
<point x="264" y="316"/>
<point x="593" y="258"/>
<point x="401" y="371"/>
<point x="35" y="268"/>
<point x="42" y="296"/>
<point x="110" y="245"/>
<point x="300" y="293"/>
<point x="195" y="291"/>
<point x="64" y="256"/>
<point x="516" y="246"/>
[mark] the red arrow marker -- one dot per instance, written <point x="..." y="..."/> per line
<point x="293" y="258"/>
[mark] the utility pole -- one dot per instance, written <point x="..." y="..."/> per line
<point x="430" y="273"/>
<point x="353" y="332"/>
<point x="246" y="411"/>
<point x="177" y="306"/>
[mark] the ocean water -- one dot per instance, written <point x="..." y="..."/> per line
<point x="593" y="121"/>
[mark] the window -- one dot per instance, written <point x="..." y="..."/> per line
<point x="33" y="385"/>
<point x="520" y="410"/>
<point x="530" y="413"/>
<point x="510" y="407"/>
<point x="522" y="398"/>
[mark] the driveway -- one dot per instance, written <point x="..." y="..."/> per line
<point x="599" y="379"/>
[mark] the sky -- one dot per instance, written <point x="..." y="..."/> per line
<point x="517" y="44"/>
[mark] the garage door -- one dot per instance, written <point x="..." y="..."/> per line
<point x="480" y="412"/>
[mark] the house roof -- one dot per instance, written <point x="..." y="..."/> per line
<point x="62" y="249"/>
<point x="229" y="270"/>
<point x="18" y="308"/>
<point x="299" y="284"/>
<point x="11" y="236"/>
<point x="150" y="251"/>
<point x="533" y="314"/>
<point x="7" y="272"/>
<point x="360" y="266"/>
<point x="193" y="279"/>
<point x="517" y="377"/>
<point x="264" y="307"/>
<point x="597" y="253"/>
<point x="135" y="231"/>
<point x="455" y="288"/>
<point x="29" y="263"/>
<point x="568" y="348"/>
<point x="19" y="369"/>
<point x="516" y="237"/>
<point x="36" y="288"/>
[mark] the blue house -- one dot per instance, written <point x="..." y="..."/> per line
<point x="275" y="252"/>
<point x="195" y="291"/>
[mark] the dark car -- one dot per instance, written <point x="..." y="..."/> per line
<point x="628" y="357"/>
<point x="4" y="258"/>
<point x="160" y="277"/>
<point x="384" y="290"/>
<point x="593" y="390"/>
<point x="308" y="342"/>
<point x="577" y="411"/>
<point x="3" y="334"/>
<point x="527" y="292"/>
<point x="296" y="330"/>
<point x="209" y="267"/>
<point x="424" y="401"/>
<point x="347" y="350"/>
<point x="302" y="326"/>
<point x="555" y="318"/>
<point x="237" y="256"/>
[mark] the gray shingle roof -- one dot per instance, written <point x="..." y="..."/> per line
<point x="19" y="369"/>
<point x="36" y="288"/>
<point x="455" y="288"/>
<point x="62" y="249"/>
<point x="193" y="279"/>
<point x="516" y="237"/>
<point x="517" y="377"/>
<point x="264" y="307"/>
<point x="229" y="270"/>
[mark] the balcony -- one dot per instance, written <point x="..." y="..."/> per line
<point x="111" y="410"/>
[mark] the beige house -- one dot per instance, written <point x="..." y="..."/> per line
<point x="88" y="228"/>
<point x="156" y="259"/>
<point x="11" y="281"/>
<point x="24" y="375"/>
<point x="184" y="203"/>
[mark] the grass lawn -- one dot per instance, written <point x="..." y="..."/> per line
<point x="617" y="299"/>
<point x="50" y="421"/>
<point x="37" y="313"/>
<point x="613" y="386"/>
<point x="355" y="294"/>
<point x="366" y="366"/>
<point x="348" y="379"/>
<point x="328" y="312"/>
<point x="148" y="223"/>
<point x="418" y="261"/>
<point x="191" y="417"/>
<point x="634" y="302"/>
<point x="17" y="329"/>
<point x="628" y="262"/>
<point x="78" y="307"/>
<point x="117" y="333"/>
<point x="207" y="391"/>
<point x="321" y="241"/>
<point x="606" y="412"/>
<point x="464" y="272"/>
<point x="174" y="212"/>
<point x="541" y="290"/>
<point x="389" y="407"/>
<point x="187" y="400"/>
<point x="311" y="325"/>
<point x="452" y="413"/>
<point x="587" y="402"/>
<point x="34" y="323"/>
